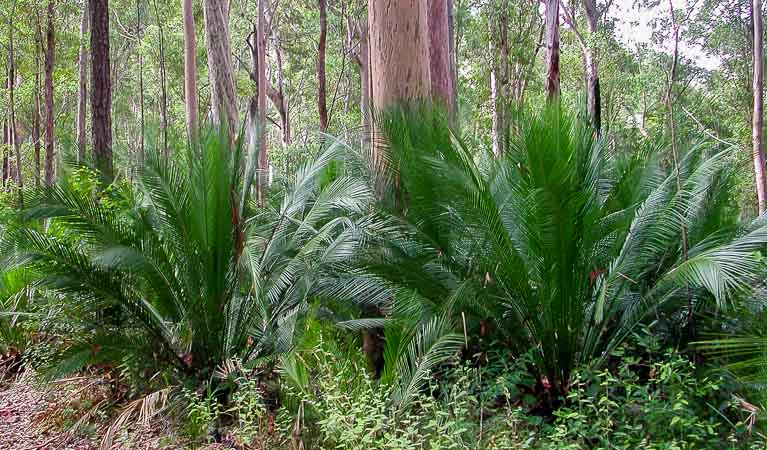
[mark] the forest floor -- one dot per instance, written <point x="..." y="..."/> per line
<point x="68" y="414"/>
<point x="34" y="415"/>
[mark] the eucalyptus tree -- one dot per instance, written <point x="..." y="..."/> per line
<point x="82" y="86"/>
<point x="190" y="70"/>
<point x="219" y="50"/>
<point x="101" y="89"/>
<point x="594" y="13"/>
<point x="552" y="50"/>
<point x="399" y="51"/>
<point x="440" y="62"/>
<point x="758" y="114"/>
<point x="50" y="54"/>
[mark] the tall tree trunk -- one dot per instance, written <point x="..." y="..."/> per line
<point x="277" y="95"/>
<point x="251" y="118"/>
<point x="190" y="70"/>
<point x="82" y="88"/>
<point x="496" y="100"/>
<point x="15" y="144"/>
<point x="362" y="58"/>
<point x="453" y="57"/>
<point x="440" y="66"/>
<point x="6" y="142"/>
<point x="163" y="82"/>
<point x="499" y="80"/>
<point x="675" y="148"/>
<point x="322" y="106"/>
<point x="263" y="157"/>
<point x="505" y="70"/>
<point x="758" y="62"/>
<point x="399" y="51"/>
<point x="399" y="72"/>
<point x="6" y="135"/>
<point x="399" y="55"/>
<point x="50" y="54"/>
<point x="552" y="50"/>
<point x="593" y="93"/>
<point x="36" y="112"/>
<point x="142" y="120"/>
<point x="217" y="43"/>
<point x="101" y="87"/>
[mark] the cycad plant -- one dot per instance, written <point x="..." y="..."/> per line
<point x="559" y="245"/>
<point x="183" y="267"/>
<point x="740" y="345"/>
<point x="14" y="299"/>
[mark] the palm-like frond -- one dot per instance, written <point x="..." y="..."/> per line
<point x="562" y="244"/>
<point x="188" y="259"/>
<point x="411" y="359"/>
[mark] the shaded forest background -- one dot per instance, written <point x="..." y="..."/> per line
<point x="317" y="53"/>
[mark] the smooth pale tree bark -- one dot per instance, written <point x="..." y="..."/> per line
<point x="251" y="118"/>
<point x="256" y="120"/>
<point x="263" y="157"/>
<point x="190" y="70"/>
<point x="504" y="66"/>
<point x="36" y="111"/>
<point x="359" y="31"/>
<point x="758" y="113"/>
<point x="163" y="81"/>
<point x="277" y="94"/>
<point x="453" y="56"/>
<point x="15" y="144"/>
<point x="6" y="141"/>
<point x="6" y="134"/>
<point x="495" y="101"/>
<point x="593" y="92"/>
<point x="82" y="85"/>
<point x="50" y="54"/>
<point x="440" y="63"/>
<point x="218" y="46"/>
<point x="142" y="119"/>
<point x="552" y="50"/>
<point x="101" y="87"/>
<point x="589" y="54"/>
<point x="499" y="79"/>
<point x="322" y="105"/>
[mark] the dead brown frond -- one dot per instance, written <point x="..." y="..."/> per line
<point x="228" y="368"/>
<point x="752" y="411"/>
<point x="144" y="409"/>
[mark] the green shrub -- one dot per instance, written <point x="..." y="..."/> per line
<point x="202" y="411"/>
<point x="647" y="397"/>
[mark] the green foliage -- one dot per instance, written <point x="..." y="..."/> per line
<point x="249" y="409"/>
<point x="180" y="268"/>
<point x="347" y="409"/>
<point x="648" y="397"/>
<point x="738" y="345"/>
<point x="670" y="409"/>
<point x="202" y="411"/>
<point x="14" y="298"/>
<point x="505" y="285"/>
<point x="561" y="244"/>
